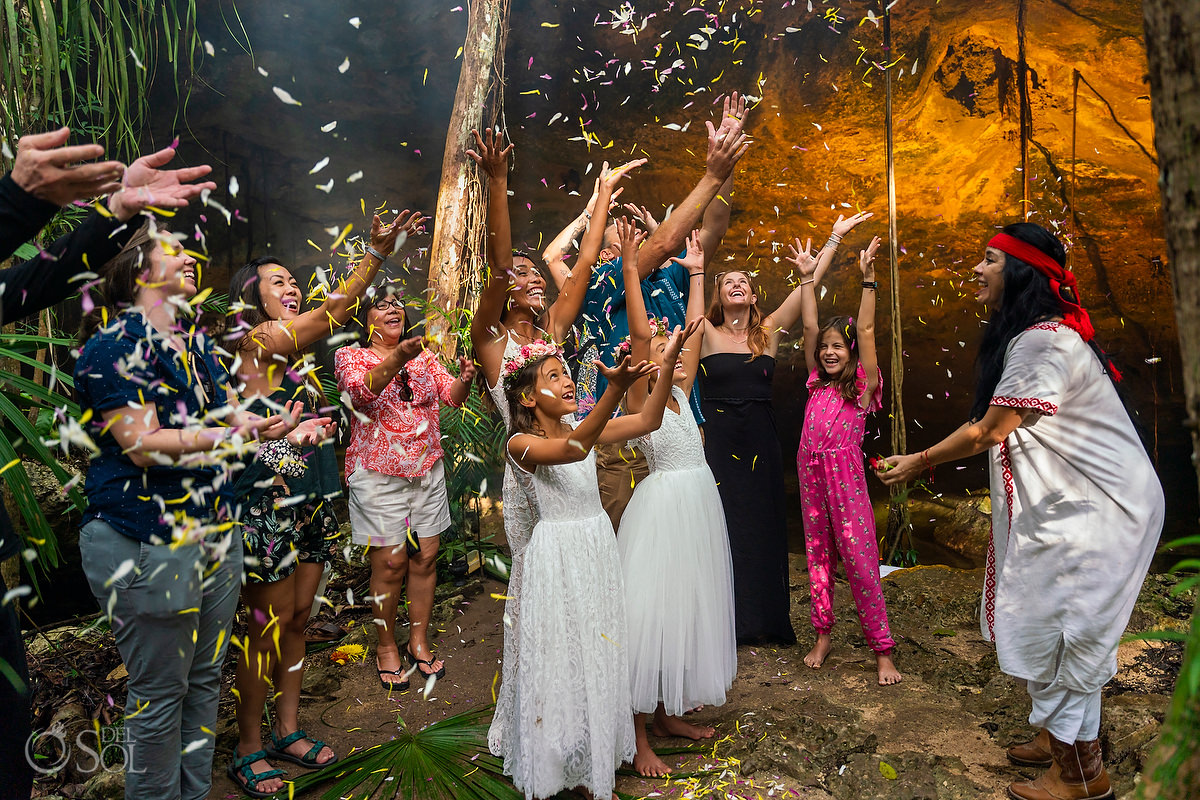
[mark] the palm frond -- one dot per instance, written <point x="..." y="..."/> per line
<point x="448" y="759"/>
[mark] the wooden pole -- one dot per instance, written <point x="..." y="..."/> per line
<point x="452" y="258"/>
<point x="1025" y="112"/>
<point x="898" y="517"/>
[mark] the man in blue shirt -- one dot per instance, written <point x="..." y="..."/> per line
<point x="664" y="288"/>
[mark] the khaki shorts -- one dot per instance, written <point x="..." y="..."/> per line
<point x="619" y="468"/>
<point x="383" y="508"/>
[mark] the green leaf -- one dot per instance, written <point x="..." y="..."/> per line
<point x="887" y="771"/>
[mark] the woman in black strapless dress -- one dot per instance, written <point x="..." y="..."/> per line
<point x="743" y="451"/>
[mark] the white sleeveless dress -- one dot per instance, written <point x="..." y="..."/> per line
<point x="570" y="721"/>
<point x="678" y="574"/>
<point x="519" y="519"/>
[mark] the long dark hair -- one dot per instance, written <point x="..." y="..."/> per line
<point x="847" y="381"/>
<point x="120" y="282"/>
<point x="244" y="294"/>
<point x="1027" y="300"/>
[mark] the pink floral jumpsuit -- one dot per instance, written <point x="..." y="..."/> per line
<point x="838" y="518"/>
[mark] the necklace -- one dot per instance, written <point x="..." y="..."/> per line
<point x="729" y="332"/>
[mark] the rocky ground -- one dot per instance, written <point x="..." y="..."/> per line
<point x="786" y="730"/>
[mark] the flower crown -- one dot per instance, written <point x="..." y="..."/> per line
<point x="660" y="326"/>
<point x="526" y="355"/>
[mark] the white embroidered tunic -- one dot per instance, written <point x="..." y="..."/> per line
<point x="1077" y="510"/>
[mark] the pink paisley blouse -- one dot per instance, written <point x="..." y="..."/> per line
<point x="398" y="438"/>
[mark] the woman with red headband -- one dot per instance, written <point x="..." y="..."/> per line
<point x="1076" y="506"/>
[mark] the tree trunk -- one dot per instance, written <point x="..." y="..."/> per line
<point x="455" y="255"/>
<point x="1172" y="49"/>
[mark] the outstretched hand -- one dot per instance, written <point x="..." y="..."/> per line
<point x="679" y="338"/>
<point x="642" y="215"/>
<point x="846" y="224"/>
<point x="631" y="239"/>
<point x="466" y="369"/>
<point x="145" y="184"/>
<point x="492" y="155"/>
<point x="725" y="147"/>
<point x="693" y="258"/>
<point x="733" y="112"/>
<point x="612" y="176"/>
<point x="387" y="238"/>
<point x="803" y="257"/>
<point x="312" y="431"/>
<point x="51" y="172"/>
<point x="898" y="469"/>
<point x="866" y="258"/>
<point x="625" y="374"/>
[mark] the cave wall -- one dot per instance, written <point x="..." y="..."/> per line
<point x="590" y="81"/>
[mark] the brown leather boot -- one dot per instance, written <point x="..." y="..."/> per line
<point x="1077" y="773"/>
<point x="1034" y="753"/>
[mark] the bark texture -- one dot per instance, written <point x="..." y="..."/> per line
<point x="456" y="256"/>
<point x="1173" y="50"/>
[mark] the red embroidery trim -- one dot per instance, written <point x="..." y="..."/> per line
<point x="1046" y="326"/>
<point x="1041" y="406"/>
<point x="989" y="580"/>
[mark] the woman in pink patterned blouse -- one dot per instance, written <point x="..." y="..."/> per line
<point x="398" y="504"/>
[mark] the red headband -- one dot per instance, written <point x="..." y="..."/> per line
<point x="1074" y="314"/>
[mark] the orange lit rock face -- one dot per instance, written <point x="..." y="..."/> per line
<point x="819" y="143"/>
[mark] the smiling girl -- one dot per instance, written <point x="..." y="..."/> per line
<point x="844" y="385"/>
<point x="568" y="723"/>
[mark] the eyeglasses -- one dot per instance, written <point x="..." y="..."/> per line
<point x="394" y="302"/>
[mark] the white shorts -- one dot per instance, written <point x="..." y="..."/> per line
<point x="383" y="508"/>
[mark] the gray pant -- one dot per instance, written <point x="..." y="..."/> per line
<point x="171" y="614"/>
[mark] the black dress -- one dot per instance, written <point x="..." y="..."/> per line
<point x="742" y="448"/>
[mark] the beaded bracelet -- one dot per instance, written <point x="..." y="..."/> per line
<point x="928" y="464"/>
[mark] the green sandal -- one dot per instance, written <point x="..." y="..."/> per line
<point x="309" y="759"/>
<point x="247" y="779"/>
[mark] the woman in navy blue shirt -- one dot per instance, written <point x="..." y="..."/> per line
<point x="160" y="549"/>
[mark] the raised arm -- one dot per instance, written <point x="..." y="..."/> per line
<point x="529" y="450"/>
<point x="287" y="337"/>
<point x="573" y="291"/>
<point x="693" y="261"/>
<point x="555" y="254"/>
<point x="631" y="426"/>
<point x="970" y="439"/>
<point x="783" y="318"/>
<point x="726" y="144"/>
<point x="635" y="307"/>
<point x="865" y="323"/>
<point x="806" y="267"/>
<point x="487" y="332"/>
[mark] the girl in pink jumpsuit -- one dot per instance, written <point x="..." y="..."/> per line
<point x="844" y="386"/>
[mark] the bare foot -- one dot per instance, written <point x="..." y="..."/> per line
<point x="694" y="710"/>
<point x="888" y="674"/>
<point x="665" y="725"/>
<point x="586" y="793"/>
<point x="647" y="763"/>
<point x="816" y="657"/>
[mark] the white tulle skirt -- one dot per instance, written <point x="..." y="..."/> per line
<point x="678" y="592"/>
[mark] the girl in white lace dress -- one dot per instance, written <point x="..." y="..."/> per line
<point x="569" y="722"/>
<point x="673" y="543"/>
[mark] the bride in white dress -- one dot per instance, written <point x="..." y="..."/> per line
<point x="673" y="543"/>
<point x="570" y="724"/>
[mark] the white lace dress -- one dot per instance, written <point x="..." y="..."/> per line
<point x="519" y="519"/>
<point x="678" y="574"/>
<point x="570" y="721"/>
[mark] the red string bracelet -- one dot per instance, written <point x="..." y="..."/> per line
<point x="928" y="464"/>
